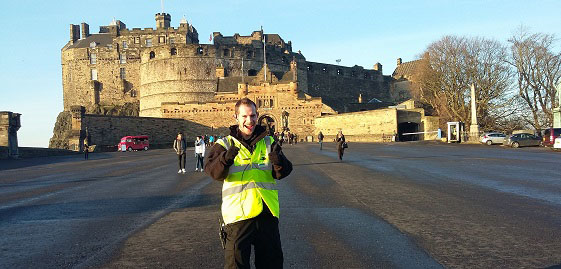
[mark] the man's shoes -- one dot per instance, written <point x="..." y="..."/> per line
<point x="183" y="171"/>
<point x="196" y="169"/>
<point x="180" y="171"/>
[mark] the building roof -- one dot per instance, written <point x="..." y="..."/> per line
<point x="100" y="40"/>
<point x="406" y="70"/>
<point x="229" y="84"/>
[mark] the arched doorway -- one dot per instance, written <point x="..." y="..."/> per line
<point x="268" y="122"/>
<point x="408" y="127"/>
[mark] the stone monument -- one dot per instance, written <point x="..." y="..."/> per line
<point x="9" y="126"/>
<point x="474" y="127"/>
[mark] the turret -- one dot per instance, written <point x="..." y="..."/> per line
<point x="162" y="20"/>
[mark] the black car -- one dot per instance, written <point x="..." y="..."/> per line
<point x="522" y="140"/>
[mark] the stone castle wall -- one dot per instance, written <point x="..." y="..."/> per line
<point x="115" y="56"/>
<point x="364" y="126"/>
<point x="339" y="85"/>
<point x="188" y="74"/>
<point x="271" y="100"/>
<point x="108" y="130"/>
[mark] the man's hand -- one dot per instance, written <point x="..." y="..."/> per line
<point x="275" y="152"/>
<point x="231" y="154"/>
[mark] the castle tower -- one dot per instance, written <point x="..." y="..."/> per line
<point x="162" y="20"/>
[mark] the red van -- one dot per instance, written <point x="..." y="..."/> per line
<point x="549" y="136"/>
<point x="131" y="143"/>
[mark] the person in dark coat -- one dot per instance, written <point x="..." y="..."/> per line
<point x="180" y="147"/>
<point x="340" y="141"/>
<point x="86" y="150"/>
<point x="260" y="231"/>
<point x="320" y="139"/>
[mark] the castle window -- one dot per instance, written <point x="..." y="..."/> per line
<point x="324" y="70"/>
<point x="137" y="40"/>
<point x="200" y="50"/>
<point x="249" y="54"/>
<point x="252" y="72"/>
<point x="173" y="51"/>
<point x="271" y="102"/>
<point x="339" y="72"/>
<point x="283" y="59"/>
<point x="366" y="76"/>
<point x="310" y="69"/>
<point x="125" y="45"/>
<point x="93" y="73"/>
<point x="171" y="40"/>
<point x="133" y="93"/>
<point x="149" y="42"/>
<point x="93" y="58"/>
<point x="226" y="52"/>
<point x="152" y="55"/>
<point x="353" y="74"/>
<point x="122" y="73"/>
<point x="122" y="58"/>
<point x="162" y="39"/>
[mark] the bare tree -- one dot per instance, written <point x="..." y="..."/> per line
<point x="451" y="64"/>
<point x="538" y="70"/>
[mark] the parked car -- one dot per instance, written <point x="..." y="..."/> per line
<point x="522" y="140"/>
<point x="130" y="143"/>
<point x="557" y="145"/>
<point x="549" y="136"/>
<point x="492" y="138"/>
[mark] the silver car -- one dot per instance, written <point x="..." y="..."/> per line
<point x="522" y="140"/>
<point x="492" y="138"/>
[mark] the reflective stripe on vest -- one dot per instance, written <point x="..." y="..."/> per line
<point x="247" y="186"/>
<point x="249" y="183"/>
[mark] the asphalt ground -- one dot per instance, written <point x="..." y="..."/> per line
<point x="398" y="205"/>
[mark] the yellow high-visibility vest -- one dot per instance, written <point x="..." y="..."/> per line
<point x="249" y="182"/>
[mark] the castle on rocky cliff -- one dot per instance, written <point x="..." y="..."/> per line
<point x="164" y="72"/>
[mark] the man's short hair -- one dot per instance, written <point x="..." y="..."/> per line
<point x="244" y="101"/>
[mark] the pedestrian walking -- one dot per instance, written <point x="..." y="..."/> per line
<point x="341" y="144"/>
<point x="281" y="140"/>
<point x="86" y="150"/>
<point x="249" y="162"/>
<point x="180" y="147"/>
<point x="199" y="153"/>
<point x="320" y="139"/>
<point x="211" y="141"/>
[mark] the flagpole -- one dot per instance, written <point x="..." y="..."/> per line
<point x="243" y="82"/>
<point x="264" y="54"/>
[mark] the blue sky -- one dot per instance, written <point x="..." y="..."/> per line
<point x="357" y="32"/>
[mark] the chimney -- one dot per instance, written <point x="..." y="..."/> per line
<point x="378" y="67"/>
<point x="74" y="33"/>
<point x="85" y="30"/>
<point x="399" y="61"/>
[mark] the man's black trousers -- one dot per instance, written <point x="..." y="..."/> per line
<point x="181" y="158"/>
<point x="263" y="233"/>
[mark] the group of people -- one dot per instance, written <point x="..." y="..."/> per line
<point x="289" y="137"/>
<point x="180" y="147"/>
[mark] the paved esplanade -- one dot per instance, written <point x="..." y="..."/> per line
<point x="401" y="205"/>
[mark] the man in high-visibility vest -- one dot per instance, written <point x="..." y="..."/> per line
<point x="249" y="162"/>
